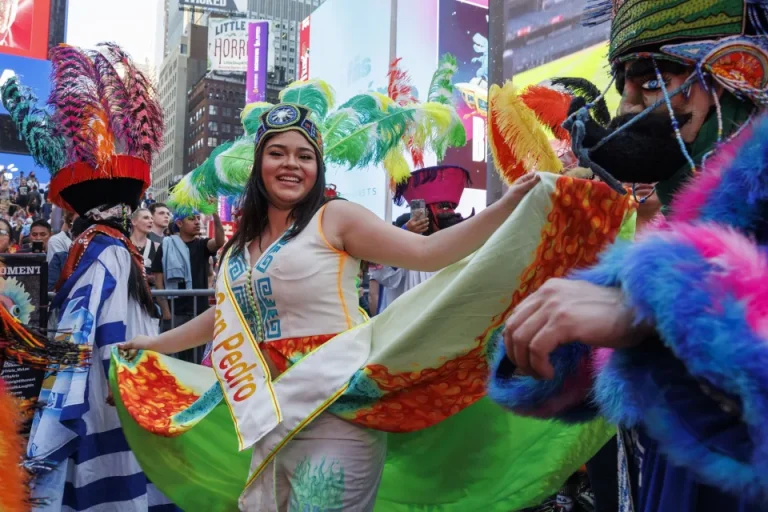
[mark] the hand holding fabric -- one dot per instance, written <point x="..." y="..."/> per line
<point x="563" y="311"/>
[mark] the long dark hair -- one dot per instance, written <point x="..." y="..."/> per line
<point x="255" y="204"/>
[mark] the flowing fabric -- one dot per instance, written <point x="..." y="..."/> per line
<point x="423" y="380"/>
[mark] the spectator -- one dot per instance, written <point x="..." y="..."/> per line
<point x="161" y="217"/>
<point x="35" y="198"/>
<point x="62" y="241"/>
<point x="5" y="196"/>
<point x="22" y="193"/>
<point x="6" y="238"/>
<point x="47" y="207"/>
<point x="39" y="234"/>
<point x="33" y="211"/>
<point x="32" y="180"/>
<point x="141" y="222"/>
<point x="149" y="201"/>
<point x="184" y="259"/>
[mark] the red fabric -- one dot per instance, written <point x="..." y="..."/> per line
<point x="121" y="166"/>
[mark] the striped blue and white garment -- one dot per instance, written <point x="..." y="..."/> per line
<point x="95" y="470"/>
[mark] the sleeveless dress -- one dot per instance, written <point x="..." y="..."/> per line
<point x="307" y="292"/>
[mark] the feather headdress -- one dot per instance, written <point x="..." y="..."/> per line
<point x="105" y="124"/>
<point x="368" y="129"/>
<point x="518" y="141"/>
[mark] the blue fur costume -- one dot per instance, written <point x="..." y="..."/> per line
<point x="692" y="402"/>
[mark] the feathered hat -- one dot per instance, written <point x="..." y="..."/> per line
<point x="725" y="39"/>
<point x="104" y="127"/>
<point x="368" y="129"/>
<point x="439" y="184"/>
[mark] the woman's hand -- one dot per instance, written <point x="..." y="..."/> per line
<point x="562" y="311"/>
<point x="520" y="188"/>
<point x="129" y="349"/>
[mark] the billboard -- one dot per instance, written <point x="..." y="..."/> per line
<point x="24" y="293"/>
<point x="353" y="60"/>
<point x="304" y="49"/>
<point x="228" y="45"/>
<point x="34" y="74"/>
<point x="24" y="27"/>
<point x="216" y="5"/>
<point x="463" y="32"/>
<point x="258" y="61"/>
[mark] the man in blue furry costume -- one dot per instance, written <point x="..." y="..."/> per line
<point x="674" y="327"/>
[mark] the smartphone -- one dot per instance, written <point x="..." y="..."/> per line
<point x="418" y="209"/>
<point x="37" y="246"/>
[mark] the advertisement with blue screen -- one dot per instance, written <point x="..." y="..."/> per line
<point x="14" y="157"/>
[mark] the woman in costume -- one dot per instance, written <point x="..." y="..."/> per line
<point x="98" y="146"/>
<point x="666" y="337"/>
<point x="298" y="247"/>
<point x="214" y="438"/>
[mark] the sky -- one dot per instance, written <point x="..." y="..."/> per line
<point x="131" y="24"/>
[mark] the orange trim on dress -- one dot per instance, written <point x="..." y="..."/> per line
<point x="322" y="234"/>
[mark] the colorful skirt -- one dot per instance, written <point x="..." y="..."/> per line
<point x="417" y="371"/>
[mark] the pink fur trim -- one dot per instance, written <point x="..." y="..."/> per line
<point x="694" y="196"/>
<point x="740" y="268"/>
<point x="600" y="357"/>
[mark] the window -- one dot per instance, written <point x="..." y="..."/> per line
<point x="291" y="60"/>
<point x="238" y="130"/>
<point x="212" y="142"/>
<point x="227" y="111"/>
<point x="226" y="128"/>
<point x="213" y="110"/>
<point x="213" y="126"/>
<point x="285" y="47"/>
<point x="284" y="59"/>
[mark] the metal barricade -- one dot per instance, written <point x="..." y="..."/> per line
<point x="172" y="296"/>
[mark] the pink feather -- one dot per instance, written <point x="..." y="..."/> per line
<point x="113" y="96"/>
<point x="146" y="115"/>
<point x="694" y="196"/>
<point x="74" y="93"/>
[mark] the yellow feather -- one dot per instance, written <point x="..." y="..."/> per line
<point x="384" y="100"/>
<point x="396" y="166"/>
<point x="521" y="131"/>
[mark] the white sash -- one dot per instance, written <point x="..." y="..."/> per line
<point x="241" y="369"/>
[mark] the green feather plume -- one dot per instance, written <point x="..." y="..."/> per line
<point x="186" y="199"/>
<point x="441" y="87"/>
<point x="233" y="167"/>
<point x="250" y="117"/>
<point x="314" y="94"/>
<point x="33" y="125"/>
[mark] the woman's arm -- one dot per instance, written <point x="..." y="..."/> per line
<point x="362" y="234"/>
<point x="194" y="333"/>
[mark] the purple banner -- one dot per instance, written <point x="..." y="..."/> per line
<point x="258" y="55"/>
<point x="225" y="209"/>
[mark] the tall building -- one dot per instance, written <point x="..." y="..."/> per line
<point x="286" y="16"/>
<point x="213" y="117"/>
<point x="185" y="62"/>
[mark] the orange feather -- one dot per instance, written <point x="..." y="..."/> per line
<point x="550" y="106"/>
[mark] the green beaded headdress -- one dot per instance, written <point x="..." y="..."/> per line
<point x="289" y="117"/>
<point x="638" y="25"/>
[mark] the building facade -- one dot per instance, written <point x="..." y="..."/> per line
<point x="182" y="67"/>
<point x="286" y="16"/>
<point x="213" y="117"/>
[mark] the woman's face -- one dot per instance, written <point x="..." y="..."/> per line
<point x="143" y="222"/>
<point x="5" y="237"/>
<point x="289" y="169"/>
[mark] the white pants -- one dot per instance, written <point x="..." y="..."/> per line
<point x="332" y="465"/>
